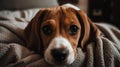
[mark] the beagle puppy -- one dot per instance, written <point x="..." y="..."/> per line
<point x="57" y="32"/>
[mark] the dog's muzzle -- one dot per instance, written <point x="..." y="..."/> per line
<point x="59" y="55"/>
<point x="59" y="52"/>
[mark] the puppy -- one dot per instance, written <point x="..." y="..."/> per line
<point x="56" y="33"/>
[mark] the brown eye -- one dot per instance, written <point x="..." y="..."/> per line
<point x="73" y="30"/>
<point x="47" y="30"/>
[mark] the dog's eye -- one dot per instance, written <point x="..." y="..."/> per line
<point x="47" y="30"/>
<point x="73" y="30"/>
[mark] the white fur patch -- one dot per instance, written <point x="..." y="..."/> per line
<point x="59" y="42"/>
<point x="72" y="6"/>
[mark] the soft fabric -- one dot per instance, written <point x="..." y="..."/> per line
<point x="105" y="52"/>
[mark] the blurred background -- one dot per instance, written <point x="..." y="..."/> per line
<point x="107" y="11"/>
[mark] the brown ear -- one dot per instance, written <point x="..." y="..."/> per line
<point x="32" y="33"/>
<point x="89" y="31"/>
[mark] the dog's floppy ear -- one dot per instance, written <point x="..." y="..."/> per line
<point x="32" y="33"/>
<point x="89" y="31"/>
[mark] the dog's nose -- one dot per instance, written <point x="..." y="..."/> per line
<point x="59" y="54"/>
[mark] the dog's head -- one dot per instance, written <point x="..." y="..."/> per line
<point x="56" y="33"/>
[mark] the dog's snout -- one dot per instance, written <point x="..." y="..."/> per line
<point x="59" y="54"/>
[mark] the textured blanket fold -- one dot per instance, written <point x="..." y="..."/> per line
<point x="105" y="52"/>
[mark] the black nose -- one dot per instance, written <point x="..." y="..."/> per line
<point x="59" y="54"/>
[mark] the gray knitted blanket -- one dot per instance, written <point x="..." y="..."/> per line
<point x="106" y="53"/>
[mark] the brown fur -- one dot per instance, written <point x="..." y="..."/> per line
<point x="60" y="18"/>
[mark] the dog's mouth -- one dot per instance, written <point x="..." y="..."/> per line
<point x="63" y="63"/>
<point x="59" y="52"/>
<point x="59" y="59"/>
<point x="58" y="63"/>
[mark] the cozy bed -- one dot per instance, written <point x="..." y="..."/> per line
<point x="106" y="53"/>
